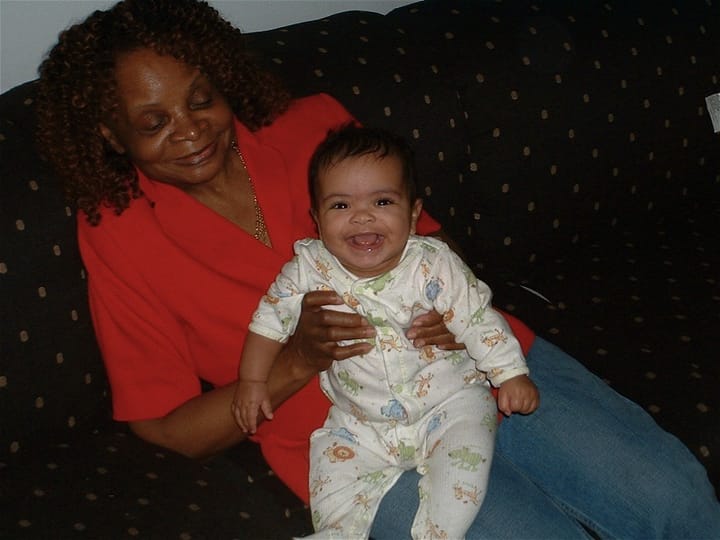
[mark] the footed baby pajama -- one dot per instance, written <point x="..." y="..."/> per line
<point x="399" y="407"/>
<point x="353" y="464"/>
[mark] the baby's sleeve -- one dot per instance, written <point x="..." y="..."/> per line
<point x="465" y="303"/>
<point x="278" y="312"/>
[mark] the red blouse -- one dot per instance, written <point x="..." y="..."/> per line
<point x="173" y="285"/>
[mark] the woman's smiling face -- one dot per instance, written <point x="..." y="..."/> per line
<point x="169" y="120"/>
<point x="364" y="214"/>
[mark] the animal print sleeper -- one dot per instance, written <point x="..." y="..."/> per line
<point x="399" y="407"/>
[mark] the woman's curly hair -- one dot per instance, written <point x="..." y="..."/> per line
<point x="77" y="89"/>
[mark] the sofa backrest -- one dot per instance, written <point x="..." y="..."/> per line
<point x="52" y="382"/>
<point x="538" y="125"/>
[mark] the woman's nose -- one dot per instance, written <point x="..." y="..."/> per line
<point x="189" y="128"/>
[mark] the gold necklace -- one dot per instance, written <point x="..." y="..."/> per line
<point x="261" y="232"/>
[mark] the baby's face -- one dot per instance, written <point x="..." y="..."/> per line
<point x="363" y="213"/>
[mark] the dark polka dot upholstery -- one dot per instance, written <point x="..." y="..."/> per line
<point x="565" y="145"/>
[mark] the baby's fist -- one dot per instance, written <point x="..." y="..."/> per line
<point x="518" y="395"/>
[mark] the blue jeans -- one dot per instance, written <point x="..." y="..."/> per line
<point x="587" y="455"/>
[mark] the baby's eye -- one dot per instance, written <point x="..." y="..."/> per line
<point x="338" y="206"/>
<point x="384" y="202"/>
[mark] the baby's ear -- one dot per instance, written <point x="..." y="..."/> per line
<point x="314" y="215"/>
<point x="415" y="214"/>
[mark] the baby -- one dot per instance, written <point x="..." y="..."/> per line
<point x="397" y="407"/>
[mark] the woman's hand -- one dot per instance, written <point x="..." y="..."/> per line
<point x="429" y="329"/>
<point x="315" y="341"/>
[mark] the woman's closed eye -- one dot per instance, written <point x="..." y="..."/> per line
<point x="201" y="96"/>
<point x="151" y="124"/>
<point x="201" y="103"/>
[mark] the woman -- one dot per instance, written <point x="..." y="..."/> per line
<point x="188" y="166"/>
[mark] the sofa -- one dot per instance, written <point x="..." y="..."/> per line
<point x="564" y="145"/>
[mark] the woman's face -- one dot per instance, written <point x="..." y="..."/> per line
<point x="170" y="121"/>
<point x="364" y="214"/>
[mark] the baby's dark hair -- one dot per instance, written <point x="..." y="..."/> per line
<point x="77" y="88"/>
<point x="353" y="140"/>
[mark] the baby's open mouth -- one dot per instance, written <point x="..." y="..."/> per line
<point x="366" y="240"/>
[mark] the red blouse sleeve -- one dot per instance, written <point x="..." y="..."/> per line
<point x="141" y="342"/>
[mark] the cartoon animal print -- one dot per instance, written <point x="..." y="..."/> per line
<point x="286" y="322"/>
<point x="344" y="433"/>
<point x="350" y="300"/>
<point x="339" y="453"/>
<point x="470" y="277"/>
<point x="361" y="499"/>
<point x="456" y="357"/>
<point x="463" y="458"/>
<point x="358" y="413"/>
<point x="394" y="411"/>
<point x="373" y="478"/>
<point x="436" y="421"/>
<point x="390" y="343"/>
<point x="430" y="452"/>
<point x="404" y="452"/>
<point x="318" y="519"/>
<point x="466" y="495"/>
<point x="350" y="384"/>
<point x="478" y="317"/>
<point x="434" y="532"/>
<point x="272" y="299"/>
<point x="269" y="299"/>
<point x="489" y="421"/>
<point x="474" y="377"/>
<point x="433" y="288"/>
<point x="423" y="385"/>
<point x="378" y="285"/>
<point x="495" y="372"/>
<point x="376" y="320"/>
<point x="317" y="485"/>
<point x="493" y="339"/>
<point x="427" y="353"/>
<point x="324" y="267"/>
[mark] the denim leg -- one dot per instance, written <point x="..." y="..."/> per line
<point x="597" y="455"/>
<point x="604" y="459"/>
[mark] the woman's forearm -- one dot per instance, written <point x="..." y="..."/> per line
<point x="199" y="428"/>
<point x="204" y="425"/>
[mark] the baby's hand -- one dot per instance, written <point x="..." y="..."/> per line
<point x="519" y="395"/>
<point x="251" y="397"/>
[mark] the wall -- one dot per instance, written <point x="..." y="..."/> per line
<point x="28" y="28"/>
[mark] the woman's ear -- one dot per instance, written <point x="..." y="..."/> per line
<point x="415" y="214"/>
<point x="110" y="137"/>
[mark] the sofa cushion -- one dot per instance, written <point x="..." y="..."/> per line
<point x="112" y="485"/>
